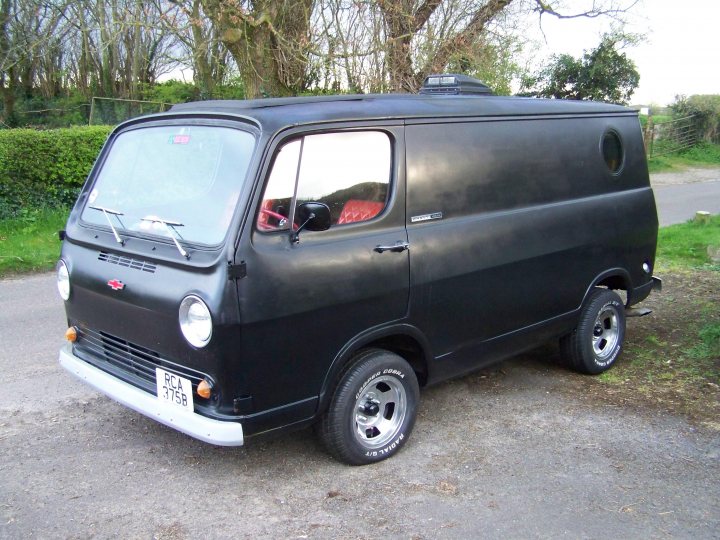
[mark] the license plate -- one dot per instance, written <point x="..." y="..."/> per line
<point x="174" y="389"/>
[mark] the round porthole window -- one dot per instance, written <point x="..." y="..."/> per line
<point x="612" y="151"/>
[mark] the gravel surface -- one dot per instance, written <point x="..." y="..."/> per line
<point x="511" y="452"/>
<point x="685" y="176"/>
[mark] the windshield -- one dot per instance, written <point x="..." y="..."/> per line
<point x="187" y="175"/>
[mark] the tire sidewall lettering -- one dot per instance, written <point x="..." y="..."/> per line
<point x="604" y="364"/>
<point x="344" y="426"/>
<point x="577" y="347"/>
<point x="367" y="381"/>
<point x="610" y="360"/>
<point x="394" y="372"/>
<point x="397" y="442"/>
<point x="384" y="452"/>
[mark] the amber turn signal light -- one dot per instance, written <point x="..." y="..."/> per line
<point x="204" y="389"/>
<point x="71" y="334"/>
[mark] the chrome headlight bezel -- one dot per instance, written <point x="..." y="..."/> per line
<point x="63" y="280"/>
<point x="195" y="321"/>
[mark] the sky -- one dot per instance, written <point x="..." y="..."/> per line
<point x="681" y="54"/>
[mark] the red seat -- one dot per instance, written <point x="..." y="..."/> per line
<point x="356" y="210"/>
<point x="262" y="220"/>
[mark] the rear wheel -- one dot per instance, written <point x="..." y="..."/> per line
<point x="373" y="409"/>
<point x="597" y="340"/>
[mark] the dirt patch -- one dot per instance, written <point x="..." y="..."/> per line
<point x="665" y="366"/>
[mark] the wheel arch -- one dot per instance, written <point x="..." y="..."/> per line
<point x="613" y="279"/>
<point x="404" y="340"/>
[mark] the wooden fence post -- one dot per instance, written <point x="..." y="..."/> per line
<point x="649" y="136"/>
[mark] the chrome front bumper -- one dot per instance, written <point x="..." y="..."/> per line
<point x="203" y="428"/>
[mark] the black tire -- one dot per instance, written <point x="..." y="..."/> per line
<point x="597" y="341"/>
<point x="386" y="387"/>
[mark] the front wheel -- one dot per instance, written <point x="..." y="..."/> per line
<point x="373" y="409"/>
<point x="597" y="340"/>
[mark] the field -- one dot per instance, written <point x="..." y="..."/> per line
<point x="30" y="243"/>
<point x="672" y="357"/>
<point x="671" y="360"/>
<point x="701" y="155"/>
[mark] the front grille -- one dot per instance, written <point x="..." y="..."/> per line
<point x="128" y="262"/>
<point x="131" y="362"/>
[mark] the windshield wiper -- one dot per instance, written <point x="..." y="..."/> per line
<point x="107" y="212"/>
<point x="170" y="228"/>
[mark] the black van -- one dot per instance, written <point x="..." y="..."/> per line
<point x="236" y="268"/>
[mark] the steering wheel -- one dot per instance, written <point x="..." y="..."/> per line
<point x="282" y="221"/>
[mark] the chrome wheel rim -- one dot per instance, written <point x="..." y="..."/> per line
<point x="379" y="412"/>
<point x="606" y="332"/>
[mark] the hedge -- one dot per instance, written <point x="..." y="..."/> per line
<point x="706" y="110"/>
<point x="40" y="169"/>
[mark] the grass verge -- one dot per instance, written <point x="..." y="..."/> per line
<point x="689" y="245"/>
<point x="672" y="357"/>
<point x="30" y="243"/>
<point x="703" y="154"/>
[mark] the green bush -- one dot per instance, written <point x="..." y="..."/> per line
<point x="52" y="113"/>
<point x="45" y="169"/>
<point x="174" y="91"/>
<point x="706" y="109"/>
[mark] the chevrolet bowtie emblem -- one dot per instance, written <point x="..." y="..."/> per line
<point x="116" y="285"/>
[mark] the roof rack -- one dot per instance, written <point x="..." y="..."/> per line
<point x="453" y="84"/>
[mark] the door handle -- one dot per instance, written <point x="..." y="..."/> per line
<point x="398" y="247"/>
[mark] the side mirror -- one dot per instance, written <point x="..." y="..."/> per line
<point x="312" y="216"/>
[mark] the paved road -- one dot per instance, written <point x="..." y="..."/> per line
<point x="507" y="453"/>
<point x="678" y="203"/>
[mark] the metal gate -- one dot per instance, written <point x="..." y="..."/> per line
<point x="671" y="136"/>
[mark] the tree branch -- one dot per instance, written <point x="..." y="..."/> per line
<point x="544" y="7"/>
<point x="461" y="40"/>
<point x="423" y="13"/>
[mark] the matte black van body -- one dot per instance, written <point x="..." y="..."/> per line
<point x="501" y="217"/>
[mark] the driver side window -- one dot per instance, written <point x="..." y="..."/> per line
<point x="348" y="171"/>
<point x="274" y="214"/>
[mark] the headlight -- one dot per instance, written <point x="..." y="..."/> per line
<point x="63" y="280"/>
<point x="195" y="321"/>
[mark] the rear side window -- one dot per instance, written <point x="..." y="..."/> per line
<point x="348" y="171"/>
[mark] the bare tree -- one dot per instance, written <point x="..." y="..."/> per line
<point x="268" y="39"/>
<point x="31" y="34"/>
<point x="116" y="48"/>
<point x="119" y="45"/>
<point x="199" y="44"/>
<point x="423" y="37"/>
<point x="8" y="77"/>
<point x="347" y="49"/>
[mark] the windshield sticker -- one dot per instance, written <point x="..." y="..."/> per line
<point x="180" y="139"/>
<point x="93" y="195"/>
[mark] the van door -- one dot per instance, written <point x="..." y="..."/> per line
<point x="506" y="232"/>
<point x="302" y="302"/>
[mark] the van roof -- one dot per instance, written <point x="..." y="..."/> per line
<point x="273" y="113"/>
